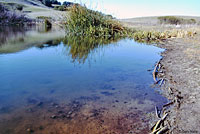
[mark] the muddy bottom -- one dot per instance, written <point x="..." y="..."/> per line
<point x="84" y="115"/>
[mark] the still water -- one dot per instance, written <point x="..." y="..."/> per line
<point x="51" y="84"/>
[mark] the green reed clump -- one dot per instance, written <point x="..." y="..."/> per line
<point x="83" y="21"/>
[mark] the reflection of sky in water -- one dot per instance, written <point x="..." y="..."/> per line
<point x="37" y="72"/>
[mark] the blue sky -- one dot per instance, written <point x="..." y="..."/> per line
<point x="140" y="8"/>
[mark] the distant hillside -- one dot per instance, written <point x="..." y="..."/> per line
<point x="25" y="2"/>
<point x="153" y="20"/>
<point x="33" y="8"/>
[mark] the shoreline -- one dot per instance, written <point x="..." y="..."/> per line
<point x="181" y="70"/>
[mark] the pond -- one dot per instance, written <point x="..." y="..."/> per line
<point x="54" y="84"/>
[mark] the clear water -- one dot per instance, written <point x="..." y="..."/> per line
<point x="44" y="89"/>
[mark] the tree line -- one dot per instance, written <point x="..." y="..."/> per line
<point x="50" y="2"/>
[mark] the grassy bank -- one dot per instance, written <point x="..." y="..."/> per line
<point x="155" y="36"/>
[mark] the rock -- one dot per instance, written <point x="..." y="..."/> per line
<point x="30" y="130"/>
<point x="53" y="116"/>
<point x="41" y="127"/>
<point x="40" y="103"/>
<point x="70" y="112"/>
<point x="113" y="88"/>
<point x="60" y="112"/>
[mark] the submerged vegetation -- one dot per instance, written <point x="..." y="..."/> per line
<point x="175" y="20"/>
<point x="83" y="21"/>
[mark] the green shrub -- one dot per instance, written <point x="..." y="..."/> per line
<point x="83" y="21"/>
<point x="19" y="7"/>
<point x="47" y="23"/>
<point x="175" y="20"/>
<point x="61" y="8"/>
<point x="170" y="20"/>
<point x="43" y="17"/>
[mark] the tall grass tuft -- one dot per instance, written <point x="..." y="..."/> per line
<point x="83" y="21"/>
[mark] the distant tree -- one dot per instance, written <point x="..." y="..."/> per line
<point x="19" y="7"/>
<point x="46" y="3"/>
<point x="50" y="2"/>
<point x="65" y="3"/>
<point x="55" y="2"/>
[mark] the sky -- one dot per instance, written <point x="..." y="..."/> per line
<point x="142" y="8"/>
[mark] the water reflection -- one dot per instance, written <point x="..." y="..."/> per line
<point x="79" y="47"/>
<point x="15" y="39"/>
<point x="7" y="33"/>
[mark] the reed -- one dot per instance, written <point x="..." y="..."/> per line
<point x="83" y="21"/>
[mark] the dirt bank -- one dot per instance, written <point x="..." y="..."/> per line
<point x="181" y="66"/>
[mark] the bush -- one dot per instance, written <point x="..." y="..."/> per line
<point x="43" y="17"/>
<point x="47" y="23"/>
<point x="19" y="7"/>
<point x="84" y="21"/>
<point x="175" y="20"/>
<point x="61" y="8"/>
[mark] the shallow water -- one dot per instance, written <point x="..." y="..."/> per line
<point x="50" y="86"/>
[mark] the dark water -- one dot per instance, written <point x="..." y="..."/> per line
<point x="54" y="86"/>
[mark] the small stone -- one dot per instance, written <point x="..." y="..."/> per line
<point x="29" y="130"/>
<point x="70" y="112"/>
<point x="40" y="104"/>
<point x="53" y="116"/>
<point x="68" y="116"/>
<point x="60" y="112"/>
<point x="41" y="127"/>
<point x="73" y="115"/>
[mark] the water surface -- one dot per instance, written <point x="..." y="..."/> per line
<point x="52" y="85"/>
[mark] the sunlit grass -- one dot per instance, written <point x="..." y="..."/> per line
<point x="83" y="21"/>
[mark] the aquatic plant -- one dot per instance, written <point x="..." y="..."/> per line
<point x="83" y="21"/>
